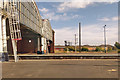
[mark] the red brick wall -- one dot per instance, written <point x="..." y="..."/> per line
<point x="24" y="46"/>
<point x="52" y="44"/>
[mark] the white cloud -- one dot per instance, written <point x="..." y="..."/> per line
<point x="104" y="19"/>
<point x="109" y="19"/>
<point x="53" y="16"/>
<point x="115" y="18"/>
<point x="44" y="10"/>
<point x="67" y="5"/>
<point x="110" y="1"/>
<point x="80" y="4"/>
<point x="64" y="34"/>
<point x="91" y="35"/>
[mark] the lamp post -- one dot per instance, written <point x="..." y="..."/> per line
<point x="105" y="37"/>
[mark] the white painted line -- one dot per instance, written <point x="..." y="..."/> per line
<point x="112" y="70"/>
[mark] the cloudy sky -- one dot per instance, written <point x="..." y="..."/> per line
<point x="65" y="16"/>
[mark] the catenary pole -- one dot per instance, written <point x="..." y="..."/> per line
<point x="79" y="37"/>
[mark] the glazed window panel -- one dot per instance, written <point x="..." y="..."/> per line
<point x="28" y="12"/>
<point x="22" y="8"/>
<point x="25" y="11"/>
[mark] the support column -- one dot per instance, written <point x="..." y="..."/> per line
<point x="48" y="45"/>
<point x="1" y="42"/>
<point x="1" y="49"/>
<point x="45" y="45"/>
<point x="38" y="52"/>
<point x="42" y="49"/>
<point x="5" y="39"/>
<point x="4" y="36"/>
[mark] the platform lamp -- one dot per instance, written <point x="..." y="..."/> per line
<point x="105" y="37"/>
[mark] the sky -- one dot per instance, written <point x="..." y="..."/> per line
<point x="65" y="16"/>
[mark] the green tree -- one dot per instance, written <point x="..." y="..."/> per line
<point x="109" y="49"/>
<point x="98" y="49"/>
<point x="71" y="48"/>
<point x="65" y="49"/>
<point x="84" y="49"/>
<point x="117" y="45"/>
<point x="114" y="48"/>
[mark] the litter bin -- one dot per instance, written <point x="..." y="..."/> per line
<point x="42" y="52"/>
<point x="38" y="52"/>
<point x="4" y="57"/>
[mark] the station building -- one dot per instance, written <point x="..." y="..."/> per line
<point x="33" y="35"/>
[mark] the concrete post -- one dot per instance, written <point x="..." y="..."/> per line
<point x="1" y="42"/>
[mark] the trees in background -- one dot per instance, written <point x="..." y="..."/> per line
<point x="109" y="49"/>
<point x="117" y="45"/>
<point x="69" y="48"/>
<point x="98" y="49"/>
<point x="84" y="49"/>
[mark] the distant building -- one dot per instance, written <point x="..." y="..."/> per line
<point x="59" y="48"/>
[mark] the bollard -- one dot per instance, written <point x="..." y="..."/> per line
<point x="6" y="57"/>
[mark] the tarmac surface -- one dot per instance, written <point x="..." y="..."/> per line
<point x="81" y="68"/>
